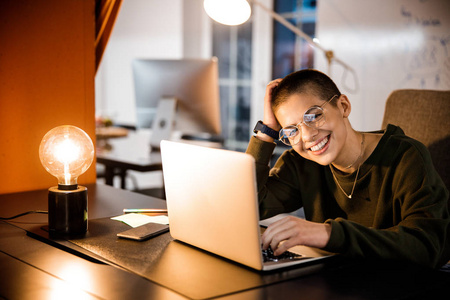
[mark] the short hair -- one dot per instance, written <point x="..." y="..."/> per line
<point x="306" y="81"/>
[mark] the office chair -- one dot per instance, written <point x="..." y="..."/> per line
<point x="425" y="116"/>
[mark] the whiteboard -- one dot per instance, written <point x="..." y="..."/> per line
<point x="390" y="44"/>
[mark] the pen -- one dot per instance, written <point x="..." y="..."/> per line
<point x="144" y="210"/>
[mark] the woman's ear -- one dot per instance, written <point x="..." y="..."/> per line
<point x="344" y="105"/>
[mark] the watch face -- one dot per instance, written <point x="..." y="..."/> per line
<point x="258" y="127"/>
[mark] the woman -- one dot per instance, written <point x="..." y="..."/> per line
<point x="364" y="194"/>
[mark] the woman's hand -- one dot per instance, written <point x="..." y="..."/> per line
<point x="292" y="231"/>
<point x="269" y="117"/>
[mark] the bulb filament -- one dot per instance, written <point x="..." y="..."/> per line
<point x="67" y="152"/>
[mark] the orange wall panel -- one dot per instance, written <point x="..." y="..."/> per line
<point x="47" y="71"/>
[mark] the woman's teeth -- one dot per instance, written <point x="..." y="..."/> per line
<point x="320" y="145"/>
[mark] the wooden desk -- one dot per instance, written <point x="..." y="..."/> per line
<point x="127" y="153"/>
<point x="32" y="269"/>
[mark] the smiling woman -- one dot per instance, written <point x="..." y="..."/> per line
<point x="365" y="194"/>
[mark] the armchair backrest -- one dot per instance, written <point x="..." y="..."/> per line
<point x="425" y="116"/>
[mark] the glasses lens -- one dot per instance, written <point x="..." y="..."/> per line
<point x="314" y="117"/>
<point x="290" y="135"/>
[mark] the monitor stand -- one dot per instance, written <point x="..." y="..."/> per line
<point x="164" y="122"/>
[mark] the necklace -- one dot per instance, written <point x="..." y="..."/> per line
<point x="360" y="153"/>
<point x="357" y="172"/>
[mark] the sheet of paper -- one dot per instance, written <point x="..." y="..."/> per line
<point x="267" y="222"/>
<point x="135" y="220"/>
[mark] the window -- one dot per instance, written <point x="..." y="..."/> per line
<point x="232" y="45"/>
<point x="290" y="52"/>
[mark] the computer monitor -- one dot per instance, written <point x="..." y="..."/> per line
<point x="194" y="85"/>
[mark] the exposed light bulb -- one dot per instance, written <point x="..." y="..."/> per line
<point x="228" y="12"/>
<point x="66" y="152"/>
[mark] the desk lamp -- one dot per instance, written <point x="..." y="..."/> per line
<point x="66" y="152"/>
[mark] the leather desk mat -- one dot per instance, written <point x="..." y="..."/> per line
<point x="184" y="269"/>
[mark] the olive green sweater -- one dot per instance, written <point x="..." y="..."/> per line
<point x="398" y="209"/>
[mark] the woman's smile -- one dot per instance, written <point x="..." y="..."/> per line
<point x="320" y="146"/>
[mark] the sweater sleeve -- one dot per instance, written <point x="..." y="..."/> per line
<point x="276" y="194"/>
<point x="418" y="206"/>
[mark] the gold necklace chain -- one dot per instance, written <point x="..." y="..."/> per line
<point x="357" y="172"/>
<point x="360" y="153"/>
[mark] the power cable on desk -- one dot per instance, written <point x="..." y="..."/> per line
<point x="25" y="213"/>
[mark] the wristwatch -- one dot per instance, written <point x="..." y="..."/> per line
<point x="260" y="126"/>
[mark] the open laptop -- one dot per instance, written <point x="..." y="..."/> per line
<point x="212" y="204"/>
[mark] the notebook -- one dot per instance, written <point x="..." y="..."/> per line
<point x="212" y="204"/>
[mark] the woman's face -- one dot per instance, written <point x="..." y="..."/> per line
<point x="325" y="144"/>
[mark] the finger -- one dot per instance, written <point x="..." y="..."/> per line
<point x="282" y="231"/>
<point x="285" y="245"/>
<point x="271" y="85"/>
<point x="280" y="238"/>
<point x="275" y="229"/>
<point x="275" y="81"/>
<point x="268" y="236"/>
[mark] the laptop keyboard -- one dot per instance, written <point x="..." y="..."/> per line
<point x="268" y="256"/>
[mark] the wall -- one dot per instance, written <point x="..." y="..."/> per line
<point x="368" y="35"/>
<point x="47" y="72"/>
<point x="144" y="29"/>
<point x="262" y="41"/>
<point x="170" y="29"/>
<point x="390" y="44"/>
<point x="197" y="30"/>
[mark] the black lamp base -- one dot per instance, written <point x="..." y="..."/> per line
<point x="67" y="211"/>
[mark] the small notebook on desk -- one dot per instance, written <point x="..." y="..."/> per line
<point x="212" y="204"/>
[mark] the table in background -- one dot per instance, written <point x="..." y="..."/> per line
<point x="130" y="152"/>
<point x="120" y="153"/>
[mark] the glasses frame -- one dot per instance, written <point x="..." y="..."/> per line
<point x="297" y="126"/>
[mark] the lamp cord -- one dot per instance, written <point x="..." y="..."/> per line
<point x="25" y="213"/>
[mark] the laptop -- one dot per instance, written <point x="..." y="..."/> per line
<point x="212" y="204"/>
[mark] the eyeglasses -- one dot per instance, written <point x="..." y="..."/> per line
<point x="314" y="117"/>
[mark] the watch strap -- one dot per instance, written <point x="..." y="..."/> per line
<point x="260" y="126"/>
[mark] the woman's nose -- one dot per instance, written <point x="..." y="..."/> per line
<point x="309" y="134"/>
